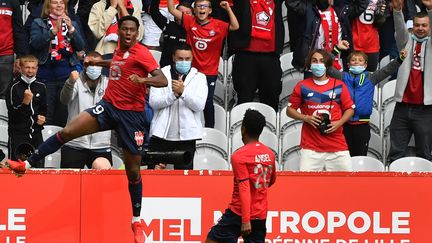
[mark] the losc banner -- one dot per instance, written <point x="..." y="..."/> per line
<point x="181" y="206"/>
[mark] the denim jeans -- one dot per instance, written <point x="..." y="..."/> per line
<point x="6" y="73"/>
<point x="407" y="120"/>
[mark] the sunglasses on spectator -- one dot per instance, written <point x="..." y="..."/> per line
<point x="202" y="6"/>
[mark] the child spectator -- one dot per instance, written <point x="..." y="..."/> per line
<point x="361" y="84"/>
<point x="27" y="107"/>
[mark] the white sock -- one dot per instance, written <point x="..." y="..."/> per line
<point x="136" y="219"/>
<point x="28" y="166"/>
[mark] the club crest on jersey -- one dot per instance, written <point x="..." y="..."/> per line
<point x="212" y="33"/>
<point x="262" y="18"/>
<point x="332" y="95"/>
<point x="126" y="55"/>
<point x="139" y="138"/>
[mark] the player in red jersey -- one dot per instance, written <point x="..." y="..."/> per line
<point x="254" y="171"/>
<point x="206" y="35"/>
<point x="121" y="108"/>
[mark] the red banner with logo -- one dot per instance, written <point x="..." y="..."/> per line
<point x="178" y="206"/>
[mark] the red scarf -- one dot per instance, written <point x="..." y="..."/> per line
<point x="334" y="35"/>
<point x="59" y="42"/>
<point x="113" y="28"/>
<point x="262" y="18"/>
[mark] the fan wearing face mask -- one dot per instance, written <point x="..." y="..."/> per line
<point x="413" y="93"/>
<point x="27" y="107"/>
<point x="176" y="123"/>
<point x="361" y="85"/>
<point x="80" y="92"/>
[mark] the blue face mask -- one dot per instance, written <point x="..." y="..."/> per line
<point x="419" y="39"/>
<point x="183" y="67"/>
<point x="318" y="69"/>
<point x="93" y="72"/>
<point x="357" y="69"/>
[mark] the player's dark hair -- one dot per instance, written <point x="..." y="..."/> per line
<point x="182" y="47"/>
<point x="253" y="123"/>
<point x="126" y="18"/>
<point x="94" y="54"/>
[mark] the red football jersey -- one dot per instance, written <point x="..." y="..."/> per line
<point x="254" y="171"/>
<point x="314" y="99"/>
<point x="206" y="41"/>
<point x="121" y="92"/>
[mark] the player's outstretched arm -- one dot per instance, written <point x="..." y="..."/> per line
<point x="157" y="79"/>
<point x="102" y="63"/>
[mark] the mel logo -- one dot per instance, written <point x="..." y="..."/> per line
<point x="170" y="219"/>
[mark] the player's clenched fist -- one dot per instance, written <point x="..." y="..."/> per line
<point x="136" y="79"/>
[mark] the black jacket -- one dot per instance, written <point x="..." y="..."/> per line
<point x="173" y="33"/>
<point x="241" y="38"/>
<point x="23" y="118"/>
<point x="345" y="11"/>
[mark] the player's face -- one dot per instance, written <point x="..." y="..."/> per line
<point x="57" y="7"/>
<point x="357" y="60"/>
<point x="202" y="10"/>
<point x="185" y="10"/>
<point x="421" y="27"/>
<point x="128" y="33"/>
<point x="29" y="69"/>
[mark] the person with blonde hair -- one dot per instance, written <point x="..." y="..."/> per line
<point x="54" y="40"/>
<point x="26" y="104"/>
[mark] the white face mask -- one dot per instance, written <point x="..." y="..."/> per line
<point x="93" y="72"/>
<point x="27" y="79"/>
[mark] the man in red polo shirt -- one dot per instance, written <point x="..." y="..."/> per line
<point x="205" y="35"/>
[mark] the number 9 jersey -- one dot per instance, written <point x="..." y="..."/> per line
<point x="254" y="171"/>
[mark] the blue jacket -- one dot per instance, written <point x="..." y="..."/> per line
<point x="361" y="87"/>
<point x="40" y="41"/>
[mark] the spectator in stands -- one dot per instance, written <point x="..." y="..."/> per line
<point x="325" y="105"/>
<point x="257" y="46"/>
<point x="55" y="39"/>
<point x="82" y="91"/>
<point x="206" y="35"/>
<point x="13" y="40"/>
<point x="365" y="32"/>
<point x="413" y="94"/>
<point x="386" y="30"/>
<point x="176" y="124"/>
<point x="83" y="13"/>
<point x="325" y="28"/>
<point x="361" y="85"/>
<point x="103" y="23"/>
<point x="173" y="33"/>
<point x="27" y="107"/>
<point x="152" y="29"/>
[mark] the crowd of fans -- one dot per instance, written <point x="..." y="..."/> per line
<point x="43" y="79"/>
